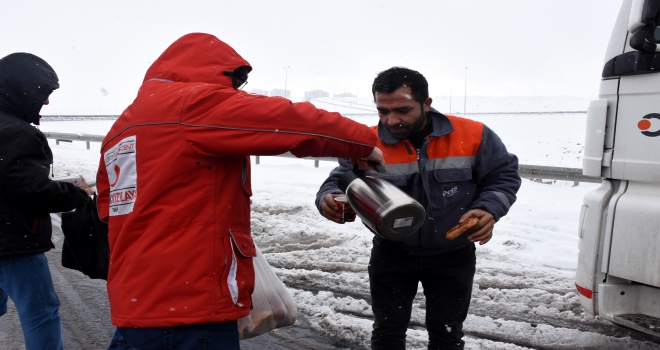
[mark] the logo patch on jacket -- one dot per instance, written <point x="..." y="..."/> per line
<point x="122" y="175"/>
<point x="450" y="192"/>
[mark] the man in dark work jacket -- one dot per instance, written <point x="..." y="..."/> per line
<point x="456" y="168"/>
<point x="27" y="196"/>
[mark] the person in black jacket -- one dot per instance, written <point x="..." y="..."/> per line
<point x="27" y="196"/>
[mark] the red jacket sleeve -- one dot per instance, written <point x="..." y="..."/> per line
<point x="246" y="124"/>
<point x="103" y="188"/>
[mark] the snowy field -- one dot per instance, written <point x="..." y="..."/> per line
<point x="523" y="296"/>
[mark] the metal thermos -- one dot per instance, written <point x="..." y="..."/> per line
<point x="383" y="207"/>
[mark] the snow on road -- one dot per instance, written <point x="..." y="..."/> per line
<point x="524" y="294"/>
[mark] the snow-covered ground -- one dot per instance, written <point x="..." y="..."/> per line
<point x="524" y="294"/>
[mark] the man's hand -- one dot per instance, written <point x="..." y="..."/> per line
<point x="85" y="186"/>
<point x="483" y="230"/>
<point x="375" y="156"/>
<point x="330" y="208"/>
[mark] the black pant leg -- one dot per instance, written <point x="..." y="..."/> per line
<point x="393" y="279"/>
<point x="447" y="280"/>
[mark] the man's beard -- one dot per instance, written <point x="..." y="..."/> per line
<point x="403" y="132"/>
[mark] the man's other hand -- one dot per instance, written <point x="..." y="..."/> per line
<point x="330" y="208"/>
<point x="85" y="186"/>
<point x="483" y="230"/>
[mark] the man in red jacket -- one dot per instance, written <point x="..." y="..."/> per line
<point x="174" y="187"/>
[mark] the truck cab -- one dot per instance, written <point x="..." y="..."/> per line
<point x="618" y="272"/>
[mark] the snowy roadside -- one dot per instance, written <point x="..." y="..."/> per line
<point x="524" y="294"/>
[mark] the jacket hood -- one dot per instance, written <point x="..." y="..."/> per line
<point x="197" y="57"/>
<point x="26" y="81"/>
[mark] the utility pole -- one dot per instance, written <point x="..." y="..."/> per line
<point x="465" y="97"/>
<point x="286" y="73"/>
<point x="451" y="94"/>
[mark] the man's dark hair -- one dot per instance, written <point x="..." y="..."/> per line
<point x="392" y="79"/>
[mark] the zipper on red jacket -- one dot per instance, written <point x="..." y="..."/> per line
<point x="223" y="279"/>
<point x="35" y="225"/>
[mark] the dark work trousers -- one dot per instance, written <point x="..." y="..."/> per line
<point x="207" y="336"/>
<point x="447" y="281"/>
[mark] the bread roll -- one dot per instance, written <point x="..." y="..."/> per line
<point x="462" y="227"/>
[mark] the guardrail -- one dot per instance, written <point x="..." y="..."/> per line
<point x="91" y="181"/>
<point x="50" y="118"/>
<point x="58" y="136"/>
<point x="367" y="113"/>
<point x="555" y="173"/>
<point x="525" y="170"/>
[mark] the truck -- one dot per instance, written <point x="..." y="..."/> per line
<point x="618" y="271"/>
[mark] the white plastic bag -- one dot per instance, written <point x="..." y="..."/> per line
<point x="272" y="305"/>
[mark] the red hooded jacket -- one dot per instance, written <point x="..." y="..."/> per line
<point x="174" y="184"/>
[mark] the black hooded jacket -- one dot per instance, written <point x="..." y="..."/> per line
<point x="27" y="195"/>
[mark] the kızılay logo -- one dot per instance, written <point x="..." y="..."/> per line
<point x="645" y="125"/>
<point x="114" y="177"/>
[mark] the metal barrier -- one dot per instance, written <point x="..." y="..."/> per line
<point x="51" y="118"/>
<point x="555" y="173"/>
<point x="289" y="155"/>
<point x="71" y="137"/>
<point x="366" y="113"/>
<point x="91" y="181"/>
<point x="525" y="170"/>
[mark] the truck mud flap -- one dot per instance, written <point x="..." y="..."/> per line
<point x="640" y="322"/>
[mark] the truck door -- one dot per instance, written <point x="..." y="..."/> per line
<point x="621" y="252"/>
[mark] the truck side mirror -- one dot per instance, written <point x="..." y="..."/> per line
<point x="643" y="24"/>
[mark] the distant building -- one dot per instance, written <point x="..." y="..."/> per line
<point x="280" y="92"/>
<point x="259" y="92"/>
<point x="315" y="94"/>
<point x="346" y="96"/>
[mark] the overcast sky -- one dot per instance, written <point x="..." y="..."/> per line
<point x="101" y="50"/>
